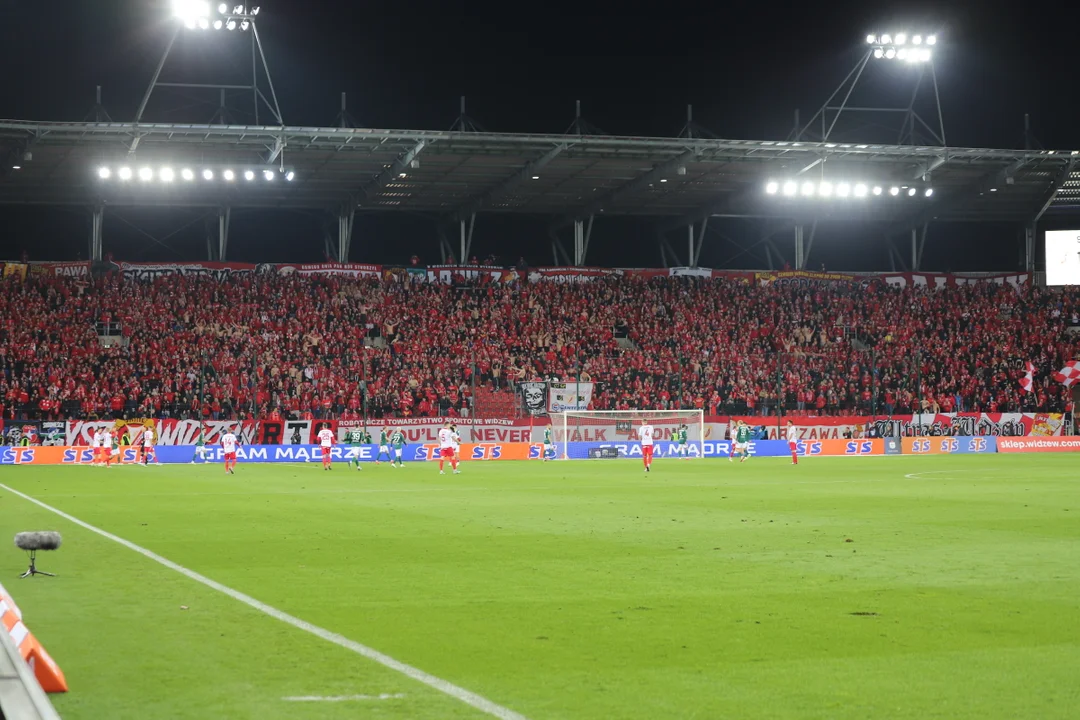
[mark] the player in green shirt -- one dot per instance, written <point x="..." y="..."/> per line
<point x="681" y="436"/>
<point x="397" y="441"/>
<point x="384" y="446"/>
<point x="742" y="442"/>
<point x="355" y="438"/>
<point x="549" y="443"/>
<point x="200" y="449"/>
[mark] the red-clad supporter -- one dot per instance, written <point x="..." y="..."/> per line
<point x="300" y="345"/>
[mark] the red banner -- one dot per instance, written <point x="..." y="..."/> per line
<point x="63" y="269"/>
<point x="1039" y="444"/>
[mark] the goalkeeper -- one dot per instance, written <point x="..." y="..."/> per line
<point x="356" y="438"/>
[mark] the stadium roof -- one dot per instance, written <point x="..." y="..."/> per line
<point x="566" y="176"/>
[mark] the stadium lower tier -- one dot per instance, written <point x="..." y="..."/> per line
<point x="486" y="452"/>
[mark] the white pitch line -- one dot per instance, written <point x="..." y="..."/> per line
<point x="915" y="476"/>
<point x="444" y="686"/>
<point x="342" y="698"/>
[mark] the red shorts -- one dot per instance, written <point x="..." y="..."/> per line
<point x="792" y="446"/>
<point x="326" y="450"/>
<point x="230" y="457"/>
<point x="646" y="451"/>
<point x="446" y="452"/>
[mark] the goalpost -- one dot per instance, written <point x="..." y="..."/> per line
<point x="621" y="426"/>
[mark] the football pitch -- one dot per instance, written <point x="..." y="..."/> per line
<point x="889" y="587"/>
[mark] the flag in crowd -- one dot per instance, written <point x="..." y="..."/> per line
<point x="1068" y="374"/>
<point x="1028" y="381"/>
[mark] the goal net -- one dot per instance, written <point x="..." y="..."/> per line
<point x="619" y="428"/>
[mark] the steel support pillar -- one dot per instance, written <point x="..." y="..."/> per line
<point x="914" y="249"/>
<point x="800" y="258"/>
<point x="1030" y="236"/>
<point x="224" y="215"/>
<point x="466" y="237"/>
<point x="588" y="236"/>
<point x="700" y="241"/>
<point x="345" y="232"/>
<point x="690" y="248"/>
<point x="579" y="242"/>
<point x="97" y="224"/>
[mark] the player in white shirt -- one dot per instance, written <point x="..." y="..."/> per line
<point x="645" y="435"/>
<point x="95" y="444"/>
<point x="326" y="442"/>
<point x="228" y="446"/>
<point x="457" y="441"/>
<point x="107" y="449"/>
<point x="446" y="449"/>
<point x="148" y="445"/>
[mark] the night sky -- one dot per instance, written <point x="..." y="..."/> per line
<point x="745" y="67"/>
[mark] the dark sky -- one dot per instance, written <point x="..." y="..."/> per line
<point x="745" y="67"/>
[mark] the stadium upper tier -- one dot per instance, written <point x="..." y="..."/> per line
<point x="292" y="343"/>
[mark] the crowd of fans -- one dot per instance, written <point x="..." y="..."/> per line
<point x="324" y="346"/>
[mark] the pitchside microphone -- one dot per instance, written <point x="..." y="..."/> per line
<point x="31" y="542"/>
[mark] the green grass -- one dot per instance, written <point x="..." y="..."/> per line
<point x="566" y="590"/>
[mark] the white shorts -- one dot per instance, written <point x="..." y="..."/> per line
<point x="115" y="451"/>
<point x="384" y="449"/>
<point x="397" y="452"/>
<point x="548" y="446"/>
<point x="741" y="446"/>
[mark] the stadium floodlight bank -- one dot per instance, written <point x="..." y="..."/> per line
<point x="171" y="174"/>
<point x="902" y="46"/>
<point x="619" y="427"/>
<point x="843" y="190"/>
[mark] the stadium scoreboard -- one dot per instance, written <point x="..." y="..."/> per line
<point x="1063" y="257"/>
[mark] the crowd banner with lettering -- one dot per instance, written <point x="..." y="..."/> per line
<point x="459" y="274"/>
<point x="53" y="432"/>
<point x="948" y="445"/>
<point x="21" y="432"/>
<point x="351" y="270"/>
<point x="1038" y="444"/>
<point x="60" y="269"/>
<point x="563" y="397"/>
<point x="722" y="448"/>
<point x="921" y="425"/>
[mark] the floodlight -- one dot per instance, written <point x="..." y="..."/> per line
<point x="104" y="173"/>
<point x="924" y="55"/>
<point x="772" y="187"/>
<point x="254" y="11"/>
<point x="890" y="53"/>
<point x="860" y="190"/>
<point x="902" y="54"/>
<point x="917" y="39"/>
<point x="790" y="188"/>
<point x="993" y="189"/>
<point x="931" y="39"/>
<point x="188" y="10"/>
<point x="879" y="53"/>
<point x="188" y="174"/>
<point x="244" y="24"/>
<point x="537" y="177"/>
<point x="204" y="23"/>
<point x="223" y="8"/>
<point x="894" y="191"/>
<point x="808" y="189"/>
<point x="208" y="174"/>
<point x="146" y="174"/>
<point x="843" y="190"/>
<point x="231" y="25"/>
<point x="191" y="23"/>
<point x="229" y="175"/>
<point x="911" y="192"/>
<point x="249" y="175"/>
<point x="124" y="173"/>
<point x="217" y="24"/>
<point x="167" y="174"/>
<point x="886" y="39"/>
<point x="825" y="189"/>
<point x="238" y="10"/>
<point x="268" y="174"/>
<point x="877" y="189"/>
<point x="901" y="39"/>
<point x="929" y="192"/>
<point x="871" y="39"/>
<point x="290" y="175"/>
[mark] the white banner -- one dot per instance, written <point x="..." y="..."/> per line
<point x="569" y="396"/>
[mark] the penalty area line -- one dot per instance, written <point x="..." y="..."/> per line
<point x="343" y="698"/>
<point x="444" y="686"/>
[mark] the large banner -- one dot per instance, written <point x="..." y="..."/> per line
<point x="722" y="448"/>
<point x="62" y="269"/>
<point x="948" y="445"/>
<point x="15" y="431"/>
<point x="563" y="397"/>
<point x="533" y="397"/>
<point x="216" y="270"/>
<point x="169" y="431"/>
<point x="921" y="425"/>
<point x="351" y="270"/>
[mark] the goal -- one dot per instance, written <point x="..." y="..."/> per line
<point x="619" y="427"/>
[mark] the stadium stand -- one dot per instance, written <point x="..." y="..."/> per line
<point x="308" y="346"/>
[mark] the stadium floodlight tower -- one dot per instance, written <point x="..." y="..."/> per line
<point x="912" y="55"/>
<point x="208" y="16"/>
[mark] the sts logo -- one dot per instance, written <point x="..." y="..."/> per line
<point x="920" y="446"/>
<point x="948" y="445"/>
<point x="77" y="455"/>
<point x="536" y="452"/>
<point x="859" y="447"/>
<point x="486" y="452"/>
<point x="17" y="456"/>
<point x="977" y="444"/>
<point x="813" y="447"/>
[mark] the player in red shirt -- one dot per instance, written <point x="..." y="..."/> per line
<point x="792" y="442"/>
